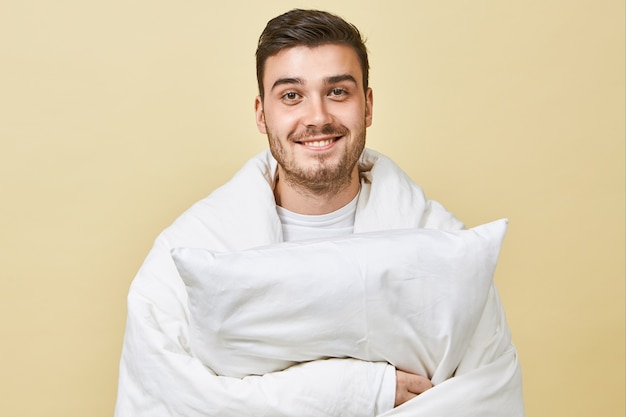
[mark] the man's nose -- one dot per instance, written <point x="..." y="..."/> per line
<point x="317" y="113"/>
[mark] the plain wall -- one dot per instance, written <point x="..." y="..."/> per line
<point x="116" y="116"/>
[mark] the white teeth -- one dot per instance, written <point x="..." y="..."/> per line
<point x="319" y="143"/>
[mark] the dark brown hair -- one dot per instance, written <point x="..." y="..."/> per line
<point x="310" y="28"/>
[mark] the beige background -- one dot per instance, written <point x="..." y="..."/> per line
<point x="115" y="116"/>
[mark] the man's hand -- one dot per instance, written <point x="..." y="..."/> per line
<point x="409" y="386"/>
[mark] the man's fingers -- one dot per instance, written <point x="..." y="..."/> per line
<point x="418" y="384"/>
<point x="403" y="396"/>
<point x="409" y="386"/>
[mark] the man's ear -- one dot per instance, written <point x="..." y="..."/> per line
<point x="369" y="107"/>
<point x="260" y="116"/>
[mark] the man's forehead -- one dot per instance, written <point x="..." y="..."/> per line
<point x="312" y="62"/>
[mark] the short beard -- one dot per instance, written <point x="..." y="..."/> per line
<point x="319" y="180"/>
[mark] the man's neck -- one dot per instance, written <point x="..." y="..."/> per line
<point x="302" y="200"/>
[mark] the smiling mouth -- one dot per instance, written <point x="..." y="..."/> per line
<point x="320" y="139"/>
<point x="318" y="143"/>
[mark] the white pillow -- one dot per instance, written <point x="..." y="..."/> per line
<point x="412" y="298"/>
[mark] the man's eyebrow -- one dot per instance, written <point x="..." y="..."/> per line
<point x="334" y="79"/>
<point x="340" y="78"/>
<point x="287" y="80"/>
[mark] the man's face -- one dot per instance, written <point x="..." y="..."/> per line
<point x="315" y="113"/>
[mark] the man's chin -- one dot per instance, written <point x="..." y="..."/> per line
<point x="319" y="177"/>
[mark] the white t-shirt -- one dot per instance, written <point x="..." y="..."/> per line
<point x="302" y="227"/>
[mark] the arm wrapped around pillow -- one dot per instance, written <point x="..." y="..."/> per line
<point x="409" y="297"/>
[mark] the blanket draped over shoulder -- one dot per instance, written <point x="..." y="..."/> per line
<point x="159" y="376"/>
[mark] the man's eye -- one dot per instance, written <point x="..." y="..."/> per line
<point x="290" y="96"/>
<point x="338" y="92"/>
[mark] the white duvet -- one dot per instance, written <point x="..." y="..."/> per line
<point x="163" y="374"/>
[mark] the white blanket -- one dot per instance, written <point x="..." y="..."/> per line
<point x="160" y="377"/>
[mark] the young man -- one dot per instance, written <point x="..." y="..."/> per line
<point x="316" y="181"/>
